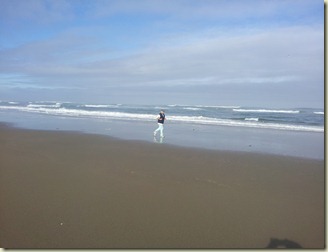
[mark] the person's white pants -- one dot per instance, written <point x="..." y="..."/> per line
<point x="160" y="128"/>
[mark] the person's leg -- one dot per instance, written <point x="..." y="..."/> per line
<point x="161" y="129"/>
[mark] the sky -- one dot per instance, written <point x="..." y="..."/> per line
<point x="257" y="53"/>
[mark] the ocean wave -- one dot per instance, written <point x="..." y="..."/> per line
<point x="57" y="105"/>
<point x="267" y="111"/>
<point x="248" y="122"/>
<point x="225" y="107"/>
<point x="253" y="124"/>
<point x="204" y="106"/>
<point x="47" y="102"/>
<point x="194" y="109"/>
<point x="100" y="106"/>
<point x="80" y="112"/>
<point x="252" y="119"/>
<point x="160" y="107"/>
<point x="319" y="113"/>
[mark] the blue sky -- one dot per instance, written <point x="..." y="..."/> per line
<point x="214" y="52"/>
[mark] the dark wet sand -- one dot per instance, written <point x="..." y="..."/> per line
<point x="71" y="190"/>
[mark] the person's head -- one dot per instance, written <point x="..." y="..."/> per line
<point x="162" y="111"/>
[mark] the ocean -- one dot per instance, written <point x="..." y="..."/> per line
<point x="285" y="131"/>
<point x="296" y="119"/>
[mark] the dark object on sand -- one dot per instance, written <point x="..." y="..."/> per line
<point x="276" y="243"/>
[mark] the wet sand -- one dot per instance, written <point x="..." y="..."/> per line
<point x="72" y="190"/>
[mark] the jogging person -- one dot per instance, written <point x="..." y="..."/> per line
<point x="160" y="120"/>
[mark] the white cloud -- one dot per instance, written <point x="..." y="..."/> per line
<point x="175" y="44"/>
<point x="279" y="55"/>
<point x="268" y="55"/>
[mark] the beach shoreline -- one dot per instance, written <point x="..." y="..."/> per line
<point x="63" y="189"/>
<point x="210" y="137"/>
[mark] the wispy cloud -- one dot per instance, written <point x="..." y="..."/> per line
<point x="266" y="55"/>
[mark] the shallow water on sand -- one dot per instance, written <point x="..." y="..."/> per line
<point x="279" y="142"/>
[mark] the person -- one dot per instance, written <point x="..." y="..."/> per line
<point x="160" y="121"/>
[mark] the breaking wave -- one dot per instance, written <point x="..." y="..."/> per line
<point x="268" y="111"/>
<point x="59" y="109"/>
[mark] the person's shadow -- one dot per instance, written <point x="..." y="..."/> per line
<point x="277" y="243"/>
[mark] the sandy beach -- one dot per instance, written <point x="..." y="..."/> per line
<point x="74" y="190"/>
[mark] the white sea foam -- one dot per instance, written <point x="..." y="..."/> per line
<point x="252" y="119"/>
<point x="100" y="106"/>
<point x="319" y="113"/>
<point x="267" y="111"/>
<point x="204" y="106"/>
<point x="253" y="124"/>
<point x="47" y="102"/>
<point x="81" y="113"/>
<point x="57" y="105"/>
<point x="225" y="107"/>
<point x="194" y="109"/>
